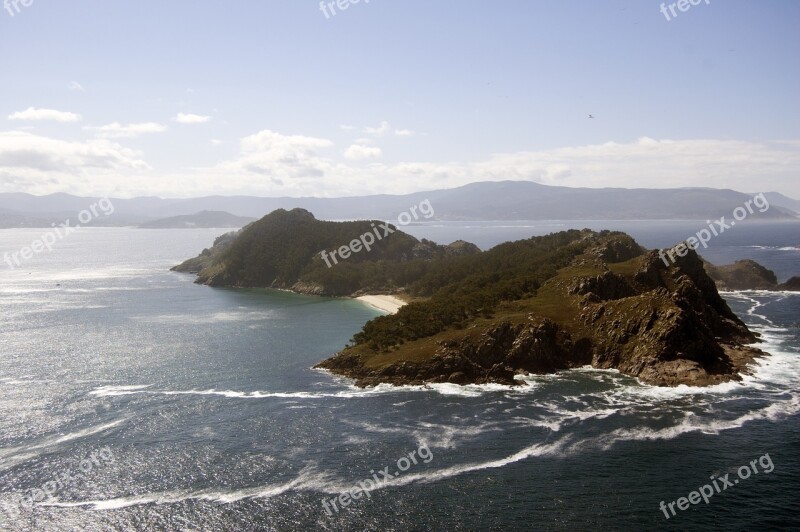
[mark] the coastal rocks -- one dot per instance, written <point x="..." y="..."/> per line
<point x="742" y="275"/>
<point x="665" y="324"/>
<point x="500" y="352"/>
<point x="311" y="289"/>
<point x="749" y="275"/>
<point x="207" y="256"/>
<point x="792" y="285"/>
<point x="676" y="330"/>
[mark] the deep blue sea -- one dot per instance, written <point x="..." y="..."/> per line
<point x="133" y="399"/>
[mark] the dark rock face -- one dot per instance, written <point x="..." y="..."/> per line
<point x="792" y="285"/>
<point x="675" y="329"/>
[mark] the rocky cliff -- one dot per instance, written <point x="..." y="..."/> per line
<point x="748" y="275"/>
<point x="666" y="325"/>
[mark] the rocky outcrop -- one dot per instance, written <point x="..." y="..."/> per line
<point x="676" y="330"/>
<point x="666" y="325"/>
<point x="742" y="275"/>
<point x="500" y="352"/>
<point x="606" y="286"/>
<point x="749" y="275"/>
<point x="792" y="285"/>
<point x="207" y="256"/>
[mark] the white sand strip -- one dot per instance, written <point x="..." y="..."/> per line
<point x="388" y="304"/>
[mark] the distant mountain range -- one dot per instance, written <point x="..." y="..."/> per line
<point x="504" y="200"/>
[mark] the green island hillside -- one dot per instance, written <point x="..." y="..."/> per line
<point x="283" y="251"/>
<point x="540" y="305"/>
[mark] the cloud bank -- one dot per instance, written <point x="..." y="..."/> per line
<point x="269" y="163"/>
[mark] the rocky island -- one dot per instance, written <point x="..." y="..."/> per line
<point x="540" y="305"/>
<point x="749" y="275"/>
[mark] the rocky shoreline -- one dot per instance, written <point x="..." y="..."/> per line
<point x="664" y="325"/>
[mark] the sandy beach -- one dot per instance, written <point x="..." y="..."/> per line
<point x="388" y="304"/>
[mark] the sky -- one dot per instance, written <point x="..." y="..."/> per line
<point x="287" y="98"/>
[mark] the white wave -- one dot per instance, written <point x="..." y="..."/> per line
<point x="779" y="248"/>
<point x="307" y="480"/>
<point x="446" y="389"/>
<point x="23" y="382"/>
<point x="693" y="423"/>
<point x="436" y="435"/>
<point x="12" y="456"/>
<point x="113" y="390"/>
<point x="310" y="480"/>
<point x="442" y="388"/>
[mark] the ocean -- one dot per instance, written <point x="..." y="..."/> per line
<point x="133" y="399"/>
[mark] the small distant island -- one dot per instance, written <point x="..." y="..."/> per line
<point x="200" y="220"/>
<point x="749" y="275"/>
<point x="540" y="305"/>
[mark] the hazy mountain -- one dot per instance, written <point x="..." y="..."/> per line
<point x="10" y="219"/>
<point x="200" y="220"/>
<point x="505" y="200"/>
<point x="779" y="200"/>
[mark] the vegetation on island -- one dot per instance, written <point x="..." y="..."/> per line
<point x="538" y="305"/>
<point x="284" y="250"/>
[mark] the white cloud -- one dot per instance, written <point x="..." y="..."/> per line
<point x="380" y="130"/>
<point x="117" y="130"/>
<point x="188" y="118"/>
<point x="33" y="113"/>
<point x="358" y="152"/>
<point x="75" y="86"/>
<point x="39" y="164"/>
<point x="274" y="164"/>
<point x="280" y="157"/>
<point x="386" y="128"/>
<point x="346" y="127"/>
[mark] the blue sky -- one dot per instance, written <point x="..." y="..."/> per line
<point x="188" y="98"/>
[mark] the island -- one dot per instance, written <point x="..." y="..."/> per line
<point x="200" y="220"/>
<point x="749" y="275"/>
<point x="566" y="300"/>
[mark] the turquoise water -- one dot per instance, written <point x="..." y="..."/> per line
<point x="206" y="405"/>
